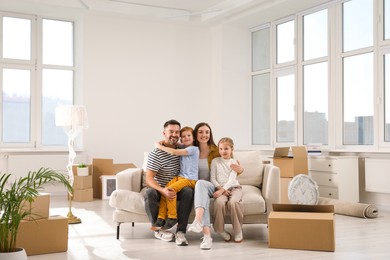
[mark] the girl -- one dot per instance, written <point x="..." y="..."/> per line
<point x="228" y="192"/>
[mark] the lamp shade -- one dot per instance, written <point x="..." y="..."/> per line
<point x="71" y="116"/>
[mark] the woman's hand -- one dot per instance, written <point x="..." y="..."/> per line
<point x="237" y="167"/>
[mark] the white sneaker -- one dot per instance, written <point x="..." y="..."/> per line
<point x="163" y="235"/>
<point x="181" y="239"/>
<point x="226" y="236"/>
<point x="207" y="243"/>
<point x="195" y="227"/>
<point x="238" y="237"/>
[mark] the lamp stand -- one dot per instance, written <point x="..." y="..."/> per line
<point x="72" y="219"/>
<point x="72" y="133"/>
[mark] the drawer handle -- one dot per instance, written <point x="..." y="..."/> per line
<point x="330" y="194"/>
<point x="330" y="179"/>
<point x="330" y="165"/>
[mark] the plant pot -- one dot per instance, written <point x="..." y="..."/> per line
<point x="19" y="254"/>
<point x="82" y="171"/>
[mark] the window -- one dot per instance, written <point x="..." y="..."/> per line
<point x="315" y="120"/>
<point x="37" y="74"/>
<point x="333" y="88"/>
<point x="285" y="42"/>
<point x="285" y="108"/>
<point x="358" y="99"/>
<point x="387" y="96"/>
<point x="387" y="19"/>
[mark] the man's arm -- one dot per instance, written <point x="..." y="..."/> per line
<point x="152" y="183"/>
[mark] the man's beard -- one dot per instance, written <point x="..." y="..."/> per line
<point x="173" y="140"/>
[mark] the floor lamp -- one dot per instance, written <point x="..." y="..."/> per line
<point x="73" y="119"/>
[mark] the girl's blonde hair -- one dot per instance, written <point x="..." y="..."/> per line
<point x="227" y="140"/>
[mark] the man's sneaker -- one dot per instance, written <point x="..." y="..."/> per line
<point x="226" y="236"/>
<point x="195" y="227"/>
<point x="163" y="235"/>
<point x="181" y="239"/>
<point x="158" y="224"/>
<point x="169" y="224"/>
<point x="207" y="243"/>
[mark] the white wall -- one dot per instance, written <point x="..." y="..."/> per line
<point x="137" y="75"/>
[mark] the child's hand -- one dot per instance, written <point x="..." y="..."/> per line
<point x="218" y="193"/>
<point x="158" y="144"/>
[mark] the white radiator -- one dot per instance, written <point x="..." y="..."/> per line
<point x="377" y="175"/>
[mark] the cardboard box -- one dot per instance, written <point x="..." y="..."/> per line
<point x="105" y="167"/>
<point x="83" y="195"/>
<point x="293" y="165"/>
<point x="284" y="182"/>
<point x="43" y="236"/>
<point x="39" y="207"/>
<point x="82" y="182"/>
<point x="108" y="185"/>
<point x="306" y="227"/>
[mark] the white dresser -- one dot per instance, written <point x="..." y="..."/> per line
<point x="337" y="177"/>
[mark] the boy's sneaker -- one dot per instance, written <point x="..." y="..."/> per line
<point x="181" y="239"/>
<point x="158" y="224"/>
<point x="207" y="243"/>
<point x="169" y="224"/>
<point x="195" y="227"/>
<point x="163" y="235"/>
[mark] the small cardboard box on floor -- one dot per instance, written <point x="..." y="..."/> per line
<point x="293" y="165"/>
<point x="43" y="236"/>
<point x="39" y="207"/>
<point x="105" y="167"/>
<point x="305" y="227"/>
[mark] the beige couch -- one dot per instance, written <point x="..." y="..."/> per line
<point x="260" y="183"/>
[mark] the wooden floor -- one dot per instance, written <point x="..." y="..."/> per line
<point x="94" y="238"/>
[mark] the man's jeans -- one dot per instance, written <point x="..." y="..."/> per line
<point x="186" y="198"/>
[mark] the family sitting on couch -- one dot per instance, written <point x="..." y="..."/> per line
<point x="139" y="190"/>
<point x="171" y="173"/>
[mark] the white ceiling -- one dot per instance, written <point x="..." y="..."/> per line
<point x="201" y="11"/>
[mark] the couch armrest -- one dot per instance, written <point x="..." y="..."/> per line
<point x="129" y="179"/>
<point x="271" y="185"/>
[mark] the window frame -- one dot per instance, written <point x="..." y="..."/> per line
<point x="36" y="66"/>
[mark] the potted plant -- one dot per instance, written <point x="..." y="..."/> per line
<point x="14" y="195"/>
<point x="82" y="170"/>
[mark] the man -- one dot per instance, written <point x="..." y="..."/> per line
<point x="161" y="167"/>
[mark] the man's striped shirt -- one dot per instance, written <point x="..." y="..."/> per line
<point x="164" y="164"/>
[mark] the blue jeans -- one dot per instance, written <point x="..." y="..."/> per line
<point x="185" y="196"/>
<point x="203" y="192"/>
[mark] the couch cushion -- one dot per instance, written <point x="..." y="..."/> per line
<point x="128" y="200"/>
<point x="254" y="202"/>
<point x="253" y="167"/>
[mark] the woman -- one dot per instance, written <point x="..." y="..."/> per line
<point x="204" y="189"/>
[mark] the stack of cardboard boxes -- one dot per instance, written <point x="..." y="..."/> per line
<point x="82" y="185"/>
<point x="291" y="226"/>
<point x="41" y="233"/>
